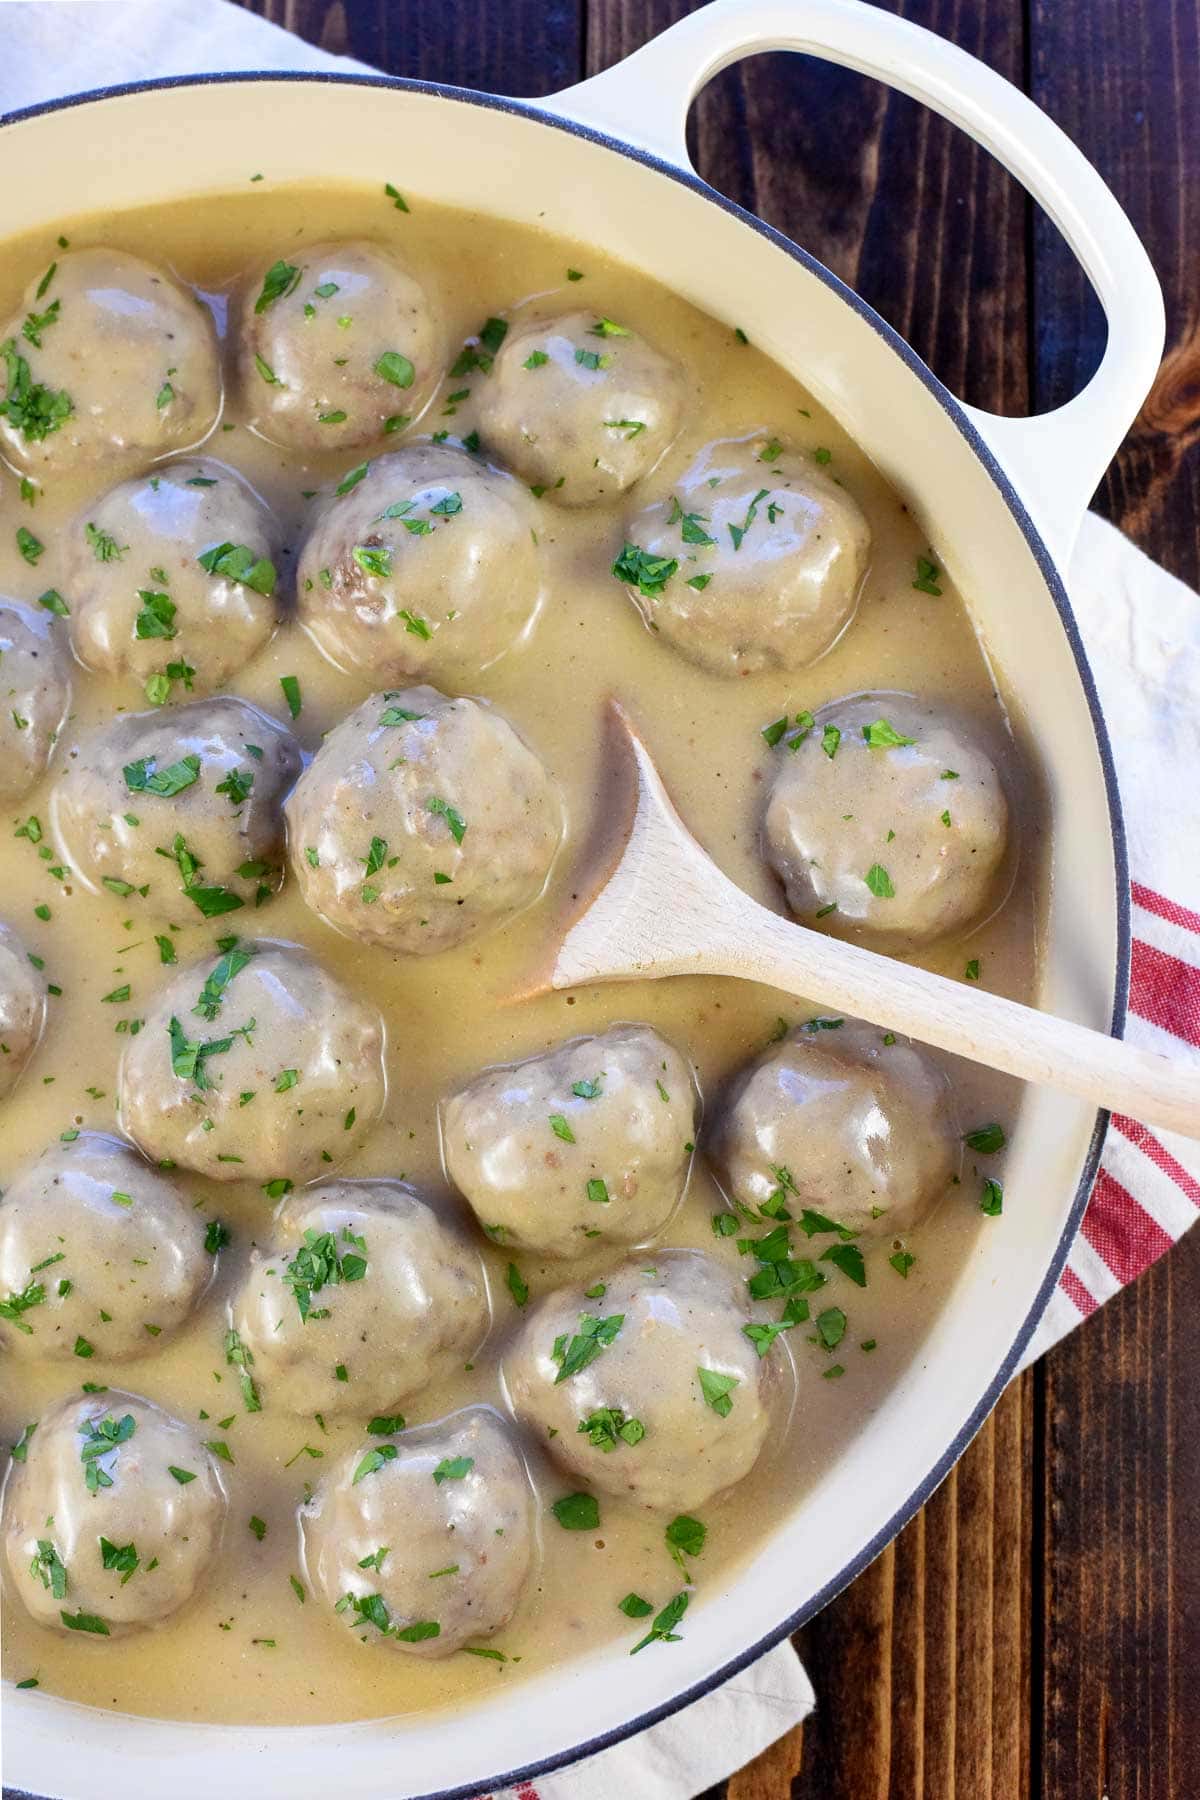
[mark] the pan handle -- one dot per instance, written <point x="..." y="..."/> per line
<point x="1056" y="459"/>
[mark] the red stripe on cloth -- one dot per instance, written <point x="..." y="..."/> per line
<point x="1076" y="1293"/>
<point x="1120" y="1231"/>
<point x="1165" y="991"/>
<point x="526" y="1791"/>
<point x="1149" y="1145"/>
<point x="1164" y="908"/>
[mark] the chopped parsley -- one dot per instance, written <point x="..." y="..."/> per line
<point x="280" y="280"/>
<point x="577" y="1512"/>
<point x="608" y="1427"/>
<point x="880" y="882"/>
<point x="376" y="1458"/>
<point x="574" y="1352"/>
<point x="236" y="562"/>
<point x="453" y="1468"/>
<point x="928" y="576"/>
<point x="641" y="569"/>
<point x="454" y="819"/>
<point x="663" y="1629"/>
<point x="985" y="1140"/>
<point x="396" y="369"/>
<point x="319" y="1262"/>
<point x="718" y="1390"/>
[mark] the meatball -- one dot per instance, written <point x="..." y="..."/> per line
<point x="753" y="561"/>
<point x="255" y="1066"/>
<point x="617" y="1385"/>
<point x="336" y="349"/>
<point x="205" y="781"/>
<point x="424" y="1540"/>
<point x="581" y="407"/>
<point x="107" y="362"/>
<point x="113" y="1518"/>
<point x="853" y="1122"/>
<point x="35" y="692"/>
<point x="589" y="1143"/>
<point x="98" y="1252"/>
<point x="886" y="820"/>
<point x="427" y="565"/>
<point x="171" y="578"/>
<point x="421" y="821"/>
<point x="362" y="1298"/>
<point x="22" y="1008"/>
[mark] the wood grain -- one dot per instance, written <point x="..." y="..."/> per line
<point x="1121" y="79"/>
<point x="1034" y="1633"/>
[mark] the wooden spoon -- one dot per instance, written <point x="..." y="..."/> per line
<point x="664" y="908"/>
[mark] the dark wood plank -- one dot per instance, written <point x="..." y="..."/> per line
<point x="1122" y="1513"/>
<point x="523" y="47"/>
<point x="1120" y="78"/>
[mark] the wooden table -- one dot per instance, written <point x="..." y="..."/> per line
<point x="1035" y="1631"/>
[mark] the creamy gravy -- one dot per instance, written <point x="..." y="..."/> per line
<point x="247" y="1649"/>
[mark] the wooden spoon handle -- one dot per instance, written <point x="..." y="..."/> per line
<point x="967" y="1021"/>
<point x="666" y="909"/>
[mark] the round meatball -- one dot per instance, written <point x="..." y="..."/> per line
<point x="103" y="1250"/>
<point x="428" y="565"/>
<point x="421" y="821"/>
<point x="113" y="1518"/>
<point x="887" y="821"/>
<point x="581" y="407"/>
<point x="589" y="1144"/>
<point x="171" y="578"/>
<point x="361" y="1277"/>
<point x="337" y="348"/>
<point x="108" y="361"/>
<point x="634" y="1417"/>
<point x="254" y="1066"/>
<point x="753" y="561"/>
<point x="424" y="1540"/>
<point x="22" y="1008"/>
<point x="35" y="692"/>
<point x="206" y="780"/>
<point x="854" y="1122"/>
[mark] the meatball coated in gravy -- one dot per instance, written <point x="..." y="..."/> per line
<point x="424" y="1540"/>
<point x="204" y="782"/>
<point x="580" y="406"/>
<point x="171" y="578"/>
<point x="421" y="821"/>
<point x="22" y="1008"/>
<point x="616" y="1385"/>
<point x="254" y="1066"/>
<point x="362" y="1298"/>
<point x="336" y="349"/>
<point x="114" y="1516"/>
<point x="99" y="1253"/>
<point x="587" y="1145"/>
<point x="754" y="559"/>
<point x="854" y="1122"/>
<point x="35" y="692"/>
<point x="427" y="565"/>
<point x="108" y="362"/>
<point x="886" y="820"/>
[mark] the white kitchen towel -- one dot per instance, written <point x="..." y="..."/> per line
<point x="1141" y="628"/>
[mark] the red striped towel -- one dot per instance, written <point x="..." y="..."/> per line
<point x="1141" y="628"/>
